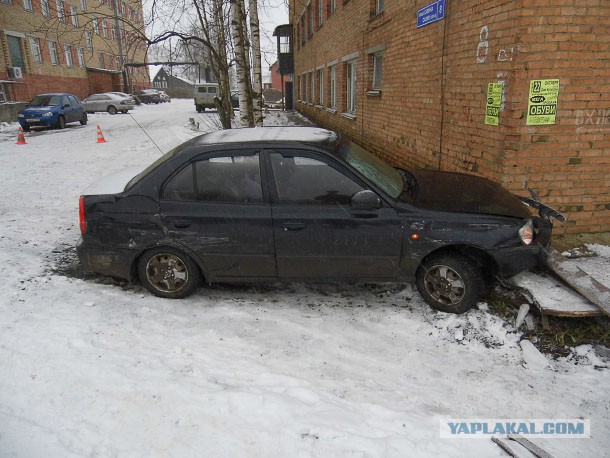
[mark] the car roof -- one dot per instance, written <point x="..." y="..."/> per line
<point x="277" y="134"/>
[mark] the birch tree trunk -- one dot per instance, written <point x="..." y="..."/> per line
<point x="242" y="69"/>
<point x="257" y="76"/>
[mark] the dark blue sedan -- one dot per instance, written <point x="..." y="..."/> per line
<point x="52" y="110"/>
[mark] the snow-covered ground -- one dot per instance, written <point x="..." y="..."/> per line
<point x="93" y="368"/>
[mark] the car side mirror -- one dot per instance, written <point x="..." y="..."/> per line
<point x="365" y="200"/>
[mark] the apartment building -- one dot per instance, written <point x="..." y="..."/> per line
<point x="514" y="90"/>
<point x="77" y="46"/>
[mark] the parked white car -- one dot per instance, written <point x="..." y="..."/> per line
<point x="109" y="102"/>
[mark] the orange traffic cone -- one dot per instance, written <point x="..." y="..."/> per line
<point x="21" y="138"/>
<point x="100" y="136"/>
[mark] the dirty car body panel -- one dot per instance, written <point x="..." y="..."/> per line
<point x="299" y="203"/>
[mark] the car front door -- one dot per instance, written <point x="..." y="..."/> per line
<point x="215" y="206"/>
<point x="318" y="234"/>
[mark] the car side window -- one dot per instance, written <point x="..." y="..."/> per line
<point x="307" y="181"/>
<point x="73" y="100"/>
<point x="229" y="179"/>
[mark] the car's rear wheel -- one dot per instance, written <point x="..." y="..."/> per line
<point x="84" y="119"/>
<point x="450" y="282"/>
<point x="169" y="273"/>
<point x="111" y="110"/>
<point x="61" y="122"/>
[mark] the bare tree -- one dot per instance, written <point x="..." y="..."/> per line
<point x="241" y="47"/>
<point x="257" y="75"/>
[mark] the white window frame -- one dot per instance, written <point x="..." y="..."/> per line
<point x="74" y="15"/>
<point x="321" y="86"/>
<point x="27" y="5"/>
<point x="320" y="13"/>
<point x="83" y="5"/>
<point x="96" y="25"/>
<point x="332" y="6"/>
<point x="45" y="8"/>
<point x="35" y="49"/>
<point x="377" y="70"/>
<point x="312" y="95"/>
<point x="379" y="6"/>
<point x="68" y="55"/>
<point x="81" y="56"/>
<point x="101" y="60"/>
<point x="53" y="53"/>
<point x="351" y="72"/>
<point x="61" y="10"/>
<point x="333" y="86"/>
<point x="89" y="40"/>
<point x="104" y="28"/>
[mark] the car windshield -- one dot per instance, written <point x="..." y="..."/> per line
<point x="380" y="173"/>
<point x="46" y="101"/>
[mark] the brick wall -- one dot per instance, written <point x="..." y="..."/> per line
<point x="430" y="111"/>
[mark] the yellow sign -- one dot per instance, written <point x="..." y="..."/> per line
<point x="494" y="102"/>
<point x="542" y="103"/>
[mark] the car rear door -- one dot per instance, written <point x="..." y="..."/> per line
<point x="317" y="233"/>
<point x="215" y="206"/>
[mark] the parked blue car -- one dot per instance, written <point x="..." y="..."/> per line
<point x="55" y="110"/>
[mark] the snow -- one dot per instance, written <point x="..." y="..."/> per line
<point x="97" y="368"/>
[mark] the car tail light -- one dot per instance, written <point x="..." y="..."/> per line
<point x="527" y="232"/>
<point x="82" y="220"/>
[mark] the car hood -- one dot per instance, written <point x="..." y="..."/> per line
<point x="39" y="109"/>
<point x="459" y="192"/>
<point x="114" y="183"/>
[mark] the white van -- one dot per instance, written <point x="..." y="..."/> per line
<point x="204" y="96"/>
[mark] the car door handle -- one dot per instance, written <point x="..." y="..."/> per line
<point x="181" y="224"/>
<point x="294" y="226"/>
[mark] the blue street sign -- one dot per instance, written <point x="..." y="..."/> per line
<point x="431" y="13"/>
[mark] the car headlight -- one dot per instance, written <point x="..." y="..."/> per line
<point x="47" y="114"/>
<point x="526" y="233"/>
<point x="20" y="115"/>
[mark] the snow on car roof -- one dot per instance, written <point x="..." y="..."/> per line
<point x="257" y="134"/>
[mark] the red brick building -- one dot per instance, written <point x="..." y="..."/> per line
<point x="515" y="90"/>
<point x="76" y="46"/>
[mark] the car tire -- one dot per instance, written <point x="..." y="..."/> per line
<point x="61" y="122"/>
<point x="167" y="272"/>
<point x="124" y="111"/>
<point x="84" y="119"/>
<point x="449" y="282"/>
<point x="111" y="110"/>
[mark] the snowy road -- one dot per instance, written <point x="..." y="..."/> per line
<point x="94" y="369"/>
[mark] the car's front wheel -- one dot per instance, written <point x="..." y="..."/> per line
<point x="83" y="119"/>
<point x="169" y="273"/>
<point x="450" y="282"/>
<point x="61" y="122"/>
<point x="111" y="110"/>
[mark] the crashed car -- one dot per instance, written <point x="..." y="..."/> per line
<point x="300" y="203"/>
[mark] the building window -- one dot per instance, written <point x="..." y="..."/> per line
<point x="35" y="48"/>
<point x="105" y="28"/>
<point x="27" y="5"/>
<point x="74" y="15"/>
<point x="378" y="6"/>
<point x="113" y="32"/>
<point x="53" y="53"/>
<point x="377" y="70"/>
<point x="45" y="9"/>
<point x="61" y="12"/>
<point x="68" y="55"/>
<point x="88" y="40"/>
<point x="100" y="57"/>
<point x="96" y="26"/>
<point x="321" y="86"/>
<point x="118" y="62"/>
<point x="310" y="13"/>
<point x="81" y="56"/>
<point x="332" y="6"/>
<point x="333" y="87"/>
<point x="350" y="86"/>
<point x="320" y="12"/>
<point x="83" y="5"/>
